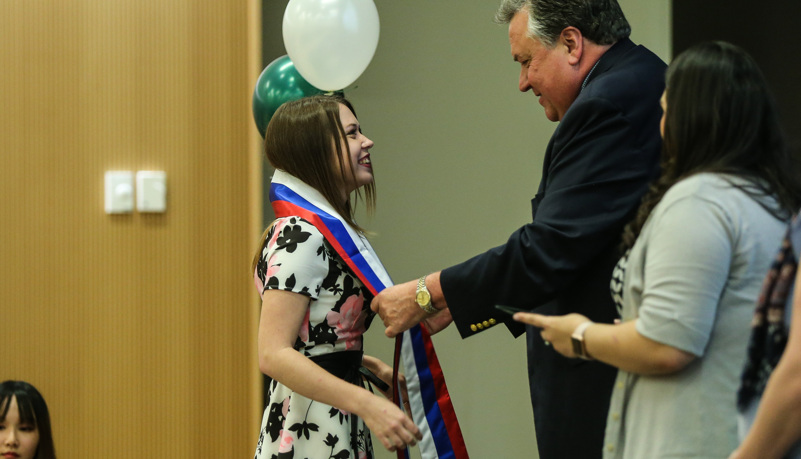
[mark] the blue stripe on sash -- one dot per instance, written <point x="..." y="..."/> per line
<point x="429" y="396"/>
<point x="279" y="192"/>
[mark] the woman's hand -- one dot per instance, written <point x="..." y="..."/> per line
<point x="619" y="345"/>
<point x="556" y="330"/>
<point x="389" y="424"/>
<point x="384" y="373"/>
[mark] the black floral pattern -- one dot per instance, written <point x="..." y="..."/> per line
<point x="291" y="236"/>
<point x="298" y="259"/>
<point x="332" y="440"/>
<point x="275" y="420"/>
<point x="340" y="414"/>
<point x="304" y="429"/>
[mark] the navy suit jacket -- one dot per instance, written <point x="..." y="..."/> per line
<point x="598" y="164"/>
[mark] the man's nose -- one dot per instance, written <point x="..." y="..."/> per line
<point x="523" y="83"/>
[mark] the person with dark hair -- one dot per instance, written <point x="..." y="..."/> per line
<point x="25" y="431"/>
<point x="696" y="253"/>
<point x="314" y="297"/>
<point x="576" y="58"/>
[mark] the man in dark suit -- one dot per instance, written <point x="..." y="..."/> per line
<point x="576" y="57"/>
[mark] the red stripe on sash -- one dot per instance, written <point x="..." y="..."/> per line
<point x="444" y="398"/>
<point x="285" y="208"/>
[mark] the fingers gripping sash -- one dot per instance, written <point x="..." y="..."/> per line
<point x="431" y="406"/>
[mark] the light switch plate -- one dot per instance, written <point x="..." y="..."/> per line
<point x="119" y="195"/>
<point x="151" y="189"/>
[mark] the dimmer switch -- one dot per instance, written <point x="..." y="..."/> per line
<point x="119" y="195"/>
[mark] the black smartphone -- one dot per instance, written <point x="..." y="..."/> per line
<point x="509" y="310"/>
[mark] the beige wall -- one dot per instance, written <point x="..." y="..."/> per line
<point x="138" y="329"/>
<point x="457" y="157"/>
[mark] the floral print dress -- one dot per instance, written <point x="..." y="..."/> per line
<point x="297" y="258"/>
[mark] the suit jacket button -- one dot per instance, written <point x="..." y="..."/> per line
<point x="480" y="326"/>
<point x="486" y="323"/>
<point x="473" y="327"/>
<point x="492" y="322"/>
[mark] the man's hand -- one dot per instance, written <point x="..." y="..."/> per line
<point x="439" y="321"/>
<point x="397" y="308"/>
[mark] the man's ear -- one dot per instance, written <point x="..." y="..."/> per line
<point x="573" y="42"/>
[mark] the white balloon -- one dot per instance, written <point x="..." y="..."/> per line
<point x="331" y="42"/>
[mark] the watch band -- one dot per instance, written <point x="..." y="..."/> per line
<point x="423" y="297"/>
<point x="577" y="339"/>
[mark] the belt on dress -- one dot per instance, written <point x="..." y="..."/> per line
<point x="347" y="365"/>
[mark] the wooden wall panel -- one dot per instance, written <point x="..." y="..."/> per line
<point x="139" y="329"/>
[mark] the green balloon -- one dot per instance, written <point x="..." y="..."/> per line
<point x="279" y="82"/>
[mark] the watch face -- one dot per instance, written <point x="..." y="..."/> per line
<point x="423" y="297"/>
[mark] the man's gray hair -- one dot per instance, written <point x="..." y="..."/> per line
<point x="601" y="21"/>
<point x="508" y="9"/>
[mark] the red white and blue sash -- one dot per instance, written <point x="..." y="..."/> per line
<point x="431" y="406"/>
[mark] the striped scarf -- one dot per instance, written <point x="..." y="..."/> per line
<point x="769" y="333"/>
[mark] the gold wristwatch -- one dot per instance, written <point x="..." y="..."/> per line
<point x="423" y="297"/>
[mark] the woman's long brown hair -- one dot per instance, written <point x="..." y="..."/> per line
<point x="305" y="138"/>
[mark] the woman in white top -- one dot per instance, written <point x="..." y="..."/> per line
<point x="696" y="254"/>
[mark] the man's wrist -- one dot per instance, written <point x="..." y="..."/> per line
<point x="435" y="289"/>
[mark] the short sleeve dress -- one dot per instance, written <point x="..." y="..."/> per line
<point x="297" y="258"/>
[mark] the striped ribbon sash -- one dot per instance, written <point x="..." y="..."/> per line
<point x="431" y="406"/>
